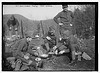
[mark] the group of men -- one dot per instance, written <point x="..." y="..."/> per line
<point x="28" y="51"/>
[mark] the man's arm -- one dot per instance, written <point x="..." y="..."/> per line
<point x="16" y="22"/>
<point x="9" y="23"/>
<point x="58" y="27"/>
<point x="56" y="18"/>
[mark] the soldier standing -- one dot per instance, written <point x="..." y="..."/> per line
<point x="13" y="25"/>
<point x="65" y="22"/>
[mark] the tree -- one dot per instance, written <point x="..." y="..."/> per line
<point x="84" y="21"/>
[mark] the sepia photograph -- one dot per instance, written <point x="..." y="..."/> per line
<point x="49" y="36"/>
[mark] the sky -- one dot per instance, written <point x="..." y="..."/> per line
<point x="35" y="12"/>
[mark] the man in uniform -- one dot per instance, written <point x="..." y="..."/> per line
<point x="64" y="20"/>
<point x="13" y="26"/>
<point x="36" y="47"/>
<point x="19" y="51"/>
<point x="50" y="37"/>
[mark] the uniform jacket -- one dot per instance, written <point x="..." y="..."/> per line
<point x="65" y="17"/>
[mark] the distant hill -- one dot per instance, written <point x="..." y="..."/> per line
<point x="29" y="26"/>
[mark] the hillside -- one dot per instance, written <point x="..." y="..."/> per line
<point x="29" y="25"/>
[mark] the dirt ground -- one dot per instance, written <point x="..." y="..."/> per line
<point x="61" y="63"/>
<point x="64" y="66"/>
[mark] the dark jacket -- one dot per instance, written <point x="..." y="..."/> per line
<point x="13" y="22"/>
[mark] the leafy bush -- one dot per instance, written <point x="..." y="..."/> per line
<point x="84" y="21"/>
